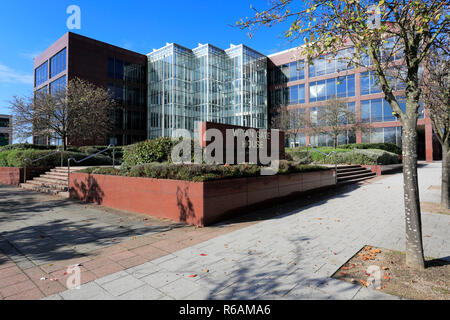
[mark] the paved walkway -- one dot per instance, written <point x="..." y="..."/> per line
<point x="288" y="257"/>
<point x="41" y="235"/>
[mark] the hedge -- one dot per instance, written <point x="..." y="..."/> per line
<point x="15" y="158"/>
<point x="390" y="147"/>
<point x="200" y="172"/>
<point x="23" y="146"/>
<point x="156" y="150"/>
<point x="343" y="156"/>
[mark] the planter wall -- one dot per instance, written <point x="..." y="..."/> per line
<point x="14" y="176"/>
<point x="196" y="203"/>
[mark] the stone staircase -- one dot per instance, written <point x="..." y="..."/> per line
<point x="353" y="173"/>
<point x="52" y="182"/>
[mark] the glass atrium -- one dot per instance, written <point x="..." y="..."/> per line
<point x="205" y="84"/>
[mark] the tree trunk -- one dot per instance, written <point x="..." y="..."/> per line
<point x="445" y="185"/>
<point x="414" y="246"/>
<point x="64" y="142"/>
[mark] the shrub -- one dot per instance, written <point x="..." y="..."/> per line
<point x="390" y="147"/>
<point x="16" y="158"/>
<point x="156" y="150"/>
<point x="367" y="156"/>
<point x="304" y="156"/>
<point x="23" y="146"/>
<point x="199" y="172"/>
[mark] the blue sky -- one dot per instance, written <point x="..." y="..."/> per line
<point x="28" y="27"/>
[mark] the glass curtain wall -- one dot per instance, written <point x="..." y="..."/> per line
<point x="205" y="84"/>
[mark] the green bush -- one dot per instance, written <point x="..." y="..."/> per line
<point x="390" y="147"/>
<point x="16" y="158"/>
<point x="199" y="172"/>
<point x="367" y="156"/>
<point x="304" y="156"/>
<point x="156" y="150"/>
<point x="23" y="146"/>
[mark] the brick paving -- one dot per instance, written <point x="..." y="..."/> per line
<point x="41" y="235"/>
<point x="291" y="256"/>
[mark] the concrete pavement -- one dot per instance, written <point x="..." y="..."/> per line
<point x="287" y="257"/>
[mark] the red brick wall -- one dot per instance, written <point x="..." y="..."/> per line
<point x="196" y="203"/>
<point x="11" y="176"/>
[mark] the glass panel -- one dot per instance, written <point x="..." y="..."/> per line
<point x="351" y="85"/>
<point x="341" y="87"/>
<point x="365" y="111"/>
<point x="387" y="112"/>
<point x="301" y="93"/>
<point x="390" y="135"/>
<point x="320" y="89"/>
<point x="377" y="135"/>
<point x="376" y="110"/>
<point x="294" y="95"/>
<point x="365" y="83"/>
<point x="331" y="88"/>
<point x="312" y="92"/>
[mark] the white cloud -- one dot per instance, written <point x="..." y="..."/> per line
<point x="9" y="75"/>
<point x="31" y="55"/>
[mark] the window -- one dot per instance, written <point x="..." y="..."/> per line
<point x="116" y="68"/>
<point x="369" y="83"/>
<point x="330" y="64"/>
<point x="41" y="74"/>
<point x="379" y="110"/>
<point x="383" y="135"/>
<point x="321" y="90"/>
<point x="339" y="87"/>
<point x="296" y="70"/>
<point x="376" y="110"/>
<point x="301" y="93"/>
<point x="293" y="95"/>
<point x="58" y="85"/>
<point x="331" y="88"/>
<point x="4" y="123"/>
<point x="58" y="63"/>
<point x="365" y="111"/>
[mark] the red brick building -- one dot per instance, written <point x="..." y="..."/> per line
<point x="122" y="72"/>
<point x="305" y="88"/>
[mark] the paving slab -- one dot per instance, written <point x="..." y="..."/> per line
<point x="293" y="255"/>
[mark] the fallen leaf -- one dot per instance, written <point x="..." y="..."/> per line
<point x="387" y="278"/>
<point x="192" y="276"/>
<point x="206" y="270"/>
<point x="203" y="254"/>
<point x="342" y="273"/>
<point x="364" y="283"/>
<point x="427" y="236"/>
<point x="384" y="268"/>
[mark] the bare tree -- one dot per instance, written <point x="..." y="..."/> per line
<point x="384" y="33"/>
<point x="335" y="119"/>
<point x="436" y="99"/>
<point x="79" y="111"/>
<point x="291" y="121"/>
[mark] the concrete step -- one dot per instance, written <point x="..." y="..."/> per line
<point x="57" y="173"/>
<point x="353" y="172"/>
<point x="59" y="187"/>
<point x="348" y="166"/>
<point x="44" y="179"/>
<point x="350" y="169"/>
<point x="357" y="177"/>
<point x="42" y="189"/>
<point x="355" y="180"/>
